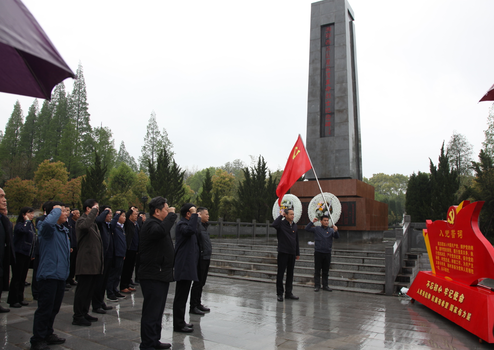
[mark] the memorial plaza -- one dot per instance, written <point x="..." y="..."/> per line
<point x="246" y="315"/>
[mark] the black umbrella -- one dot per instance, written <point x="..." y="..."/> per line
<point x="30" y="64"/>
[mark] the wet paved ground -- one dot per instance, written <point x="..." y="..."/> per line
<point x="246" y="315"/>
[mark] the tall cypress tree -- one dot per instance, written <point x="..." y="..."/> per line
<point x="92" y="185"/>
<point x="10" y="146"/>
<point x="444" y="185"/>
<point x="29" y="134"/>
<point x="79" y="109"/>
<point x="206" y="196"/>
<point x="256" y="193"/>
<point x="42" y="142"/>
<point x="124" y="157"/>
<point x="418" y="197"/>
<point x="154" y="142"/>
<point x="60" y="119"/>
<point x="166" y="179"/>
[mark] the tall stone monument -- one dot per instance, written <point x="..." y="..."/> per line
<point x="333" y="123"/>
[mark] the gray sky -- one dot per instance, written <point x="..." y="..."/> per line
<point x="228" y="79"/>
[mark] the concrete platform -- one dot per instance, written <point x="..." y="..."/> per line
<point x="246" y="315"/>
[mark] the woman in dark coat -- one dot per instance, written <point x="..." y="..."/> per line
<point x="24" y="242"/>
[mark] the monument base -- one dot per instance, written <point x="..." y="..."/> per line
<point x="470" y="307"/>
<point x="359" y="210"/>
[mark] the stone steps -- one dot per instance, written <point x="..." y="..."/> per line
<point x="351" y="270"/>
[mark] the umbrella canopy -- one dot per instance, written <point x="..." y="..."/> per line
<point x="30" y="64"/>
<point x="489" y="95"/>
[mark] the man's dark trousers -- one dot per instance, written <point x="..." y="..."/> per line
<point x="73" y="258"/>
<point x="50" y="296"/>
<point x="285" y="262"/>
<point x="84" y="292"/>
<point x="182" y="289"/>
<point x="128" y="268"/>
<point x="321" y="261"/>
<point x="196" y="291"/>
<point x="100" y="289"/>
<point x="153" y="306"/>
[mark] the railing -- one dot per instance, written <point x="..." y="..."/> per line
<point x="396" y="253"/>
<point x="237" y="229"/>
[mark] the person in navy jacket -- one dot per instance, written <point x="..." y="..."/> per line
<point x="323" y="236"/>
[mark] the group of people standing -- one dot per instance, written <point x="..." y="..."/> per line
<point x="101" y="250"/>
<point x="107" y="249"/>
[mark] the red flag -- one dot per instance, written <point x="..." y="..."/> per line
<point x="298" y="163"/>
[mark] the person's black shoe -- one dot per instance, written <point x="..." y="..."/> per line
<point x="316" y="289"/>
<point x="190" y="325"/>
<point x="120" y="296"/>
<point x="67" y="285"/>
<point x="326" y="288"/>
<point x="163" y="346"/>
<point x="39" y="345"/>
<point x="291" y="296"/>
<point x="91" y="318"/>
<point x="203" y="308"/>
<point x="99" y="311"/>
<point x="73" y="283"/>
<point x="4" y="310"/>
<point x="183" y="329"/>
<point x="196" y="311"/>
<point x="53" y="339"/>
<point x="106" y="307"/>
<point x="67" y="289"/>
<point x="280" y="297"/>
<point x="27" y="284"/>
<point x="16" y="305"/>
<point x="23" y="303"/>
<point x="112" y="298"/>
<point x="80" y="321"/>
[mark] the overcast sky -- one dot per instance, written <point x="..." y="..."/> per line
<point x="228" y="79"/>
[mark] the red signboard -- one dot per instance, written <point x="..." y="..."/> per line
<point x="460" y="258"/>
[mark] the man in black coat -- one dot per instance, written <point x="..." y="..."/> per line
<point x="186" y="262"/>
<point x="155" y="270"/>
<point x="6" y="246"/>
<point x="288" y="252"/>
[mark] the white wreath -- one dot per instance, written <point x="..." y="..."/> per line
<point x="317" y="208"/>
<point x="289" y="201"/>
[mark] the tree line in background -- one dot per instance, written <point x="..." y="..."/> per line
<point x="55" y="154"/>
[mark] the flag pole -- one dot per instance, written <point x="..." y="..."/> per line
<point x="318" y="184"/>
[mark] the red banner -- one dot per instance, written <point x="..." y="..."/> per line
<point x="298" y="164"/>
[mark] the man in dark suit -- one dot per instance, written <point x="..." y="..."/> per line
<point x="6" y="246"/>
<point x="155" y="270"/>
<point x="186" y="262"/>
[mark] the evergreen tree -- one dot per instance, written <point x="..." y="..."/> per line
<point x="124" y="157"/>
<point x="166" y="179"/>
<point x="154" y="142"/>
<point x="206" y="197"/>
<point x="444" y="185"/>
<point x="93" y="184"/>
<point x="59" y="121"/>
<point x="418" y="197"/>
<point x="83" y="145"/>
<point x="43" y="141"/>
<point x="459" y="153"/>
<point x="257" y="193"/>
<point x="29" y="134"/>
<point x="488" y="143"/>
<point x="105" y="146"/>
<point x="482" y="189"/>
<point x="120" y="183"/>
<point x="10" y="146"/>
